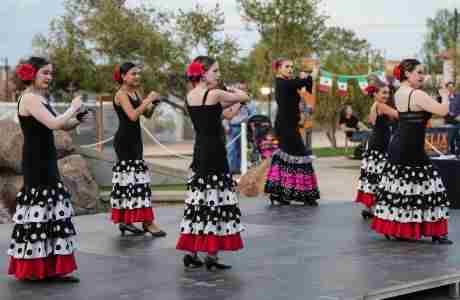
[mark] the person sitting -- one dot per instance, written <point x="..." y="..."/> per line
<point x="354" y="129"/>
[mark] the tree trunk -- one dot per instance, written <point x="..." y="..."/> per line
<point x="330" y="133"/>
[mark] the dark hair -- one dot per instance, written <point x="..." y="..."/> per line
<point x="378" y="85"/>
<point x="206" y="62"/>
<point x="408" y="65"/>
<point x="37" y="63"/>
<point x="124" y="68"/>
<point x="343" y="111"/>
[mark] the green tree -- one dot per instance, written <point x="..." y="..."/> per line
<point x="344" y="54"/>
<point x="441" y="36"/>
<point x="201" y="31"/>
<point x="93" y="35"/>
<point x="65" y="47"/>
<point x="289" y="28"/>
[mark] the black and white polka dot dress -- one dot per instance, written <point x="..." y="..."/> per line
<point x="131" y="194"/>
<point x="211" y="220"/>
<point x="411" y="200"/>
<point x="374" y="160"/>
<point x="42" y="242"/>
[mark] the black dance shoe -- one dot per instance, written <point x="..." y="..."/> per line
<point x="213" y="262"/>
<point x="130" y="228"/>
<point x="277" y="199"/>
<point x="65" y="279"/>
<point x="192" y="261"/>
<point x="442" y="240"/>
<point x="312" y="202"/>
<point x="366" y="214"/>
<point x="154" y="233"/>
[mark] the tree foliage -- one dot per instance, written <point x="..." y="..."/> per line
<point x="201" y="32"/>
<point x="440" y="37"/>
<point x="289" y="28"/>
<point x="345" y="54"/>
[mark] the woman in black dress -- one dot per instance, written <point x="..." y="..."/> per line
<point x="131" y="195"/>
<point x="291" y="175"/>
<point x="211" y="221"/>
<point x="382" y="116"/>
<point x="411" y="198"/>
<point x="42" y="244"/>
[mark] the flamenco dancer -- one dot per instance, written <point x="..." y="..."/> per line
<point x="42" y="245"/>
<point x="211" y="221"/>
<point x="131" y="195"/>
<point x="381" y="116"/>
<point x="291" y="175"/>
<point x="411" y="198"/>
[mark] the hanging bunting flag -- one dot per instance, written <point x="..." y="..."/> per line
<point x="325" y="83"/>
<point x="363" y="84"/>
<point x="342" y="86"/>
<point x="381" y="76"/>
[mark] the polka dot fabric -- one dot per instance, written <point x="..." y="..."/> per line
<point x="211" y="220"/>
<point x="43" y="233"/>
<point x="372" y="166"/>
<point x="131" y="197"/>
<point x="411" y="202"/>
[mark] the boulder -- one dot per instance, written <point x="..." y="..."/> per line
<point x="64" y="143"/>
<point x="10" y="184"/>
<point x="77" y="177"/>
<point x="11" y="146"/>
<point x="13" y="140"/>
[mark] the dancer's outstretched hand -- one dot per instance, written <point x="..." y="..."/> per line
<point x="444" y="93"/>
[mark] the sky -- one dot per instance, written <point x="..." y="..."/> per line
<point x="395" y="26"/>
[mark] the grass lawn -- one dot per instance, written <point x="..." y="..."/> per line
<point x="329" y="152"/>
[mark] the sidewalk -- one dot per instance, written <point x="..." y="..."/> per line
<point x="337" y="177"/>
<point x="185" y="148"/>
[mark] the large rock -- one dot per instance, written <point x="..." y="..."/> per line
<point x="64" y="143"/>
<point x="12" y="141"/>
<point x="11" y="145"/>
<point x="77" y="177"/>
<point x="10" y="184"/>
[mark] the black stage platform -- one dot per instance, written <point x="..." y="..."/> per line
<point x="292" y="252"/>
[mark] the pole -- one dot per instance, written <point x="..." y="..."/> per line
<point x="7" y="79"/>
<point x="244" y="148"/>
<point x="270" y="104"/>
<point x="455" y="44"/>
<point x="100" y="124"/>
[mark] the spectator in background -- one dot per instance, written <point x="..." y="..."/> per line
<point x="453" y="119"/>
<point x="350" y="124"/>
<point x="235" y="115"/>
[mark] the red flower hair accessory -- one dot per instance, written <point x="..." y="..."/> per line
<point x="26" y="72"/>
<point x="276" y="64"/>
<point x="195" y="69"/>
<point x="397" y="72"/>
<point x="117" y="74"/>
<point x="371" y="90"/>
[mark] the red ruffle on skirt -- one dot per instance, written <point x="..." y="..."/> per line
<point x="410" y="230"/>
<point x="41" y="268"/>
<point x="209" y="243"/>
<point x="129" y="216"/>
<point x="365" y="198"/>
